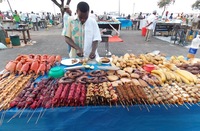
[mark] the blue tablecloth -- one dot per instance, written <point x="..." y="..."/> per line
<point x="98" y="118"/>
<point x="106" y="118"/>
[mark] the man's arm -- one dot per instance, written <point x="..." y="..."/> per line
<point x="70" y="42"/>
<point x="94" y="48"/>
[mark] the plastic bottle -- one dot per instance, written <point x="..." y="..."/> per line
<point x="194" y="47"/>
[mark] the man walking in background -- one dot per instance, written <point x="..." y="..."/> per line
<point x="66" y="15"/>
<point x="150" y="26"/>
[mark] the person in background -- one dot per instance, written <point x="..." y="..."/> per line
<point x="67" y="14"/>
<point x="83" y="33"/>
<point x="1" y="17"/>
<point x="105" y="17"/>
<point x="16" y="18"/>
<point x="165" y="17"/>
<point x="43" y="20"/>
<point x="150" y="22"/>
<point x="34" y="20"/>
<point x="128" y="17"/>
<point x="92" y="15"/>
<point x="8" y="16"/>
<point x="195" y="22"/>
<point x="22" y="17"/>
<point x="140" y="17"/>
<point x="171" y="16"/>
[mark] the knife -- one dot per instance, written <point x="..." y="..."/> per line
<point x="108" y="67"/>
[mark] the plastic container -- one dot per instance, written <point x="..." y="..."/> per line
<point x="56" y="72"/>
<point x="15" y="40"/>
<point x="194" y="47"/>
<point x="144" y="31"/>
<point x="149" y="67"/>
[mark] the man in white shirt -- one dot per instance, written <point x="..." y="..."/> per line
<point x="83" y="33"/>
<point x="150" y="25"/>
<point x="34" y="20"/>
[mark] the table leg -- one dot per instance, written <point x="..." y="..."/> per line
<point x="108" y="53"/>
<point x="28" y="34"/>
<point x="24" y="37"/>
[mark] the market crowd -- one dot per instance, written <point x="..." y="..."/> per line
<point x="34" y="20"/>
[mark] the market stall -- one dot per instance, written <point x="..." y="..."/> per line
<point x="164" y="27"/>
<point x="132" y="92"/>
<point x="110" y="25"/>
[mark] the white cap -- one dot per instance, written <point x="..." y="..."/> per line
<point x="66" y="6"/>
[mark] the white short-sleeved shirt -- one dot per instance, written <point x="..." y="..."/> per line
<point x="151" y="18"/>
<point x="83" y="35"/>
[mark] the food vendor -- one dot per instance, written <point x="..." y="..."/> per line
<point x="83" y="33"/>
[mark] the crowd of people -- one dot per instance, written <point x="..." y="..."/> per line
<point x="34" y="20"/>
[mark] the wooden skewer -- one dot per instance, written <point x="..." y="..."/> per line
<point x="17" y="113"/>
<point x="22" y="111"/>
<point x="28" y="114"/>
<point x="146" y="105"/>
<point x="164" y="105"/>
<point x="2" y="117"/>
<point x="121" y="103"/>
<point x="186" y="106"/>
<point x="39" y="116"/>
<point x="43" y="112"/>
<point x="31" y="116"/>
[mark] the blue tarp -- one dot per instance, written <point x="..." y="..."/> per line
<point x="125" y="23"/>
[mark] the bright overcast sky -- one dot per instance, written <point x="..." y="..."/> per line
<point x="99" y="6"/>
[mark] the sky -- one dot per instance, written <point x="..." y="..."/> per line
<point x="99" y="6"/>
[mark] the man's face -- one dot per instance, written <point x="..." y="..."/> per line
<point x="82" y="16"/>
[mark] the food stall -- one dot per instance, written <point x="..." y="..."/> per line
<point x="113" y="25"/>
<point x="130" y="92"/>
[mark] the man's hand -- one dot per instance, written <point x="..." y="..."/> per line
<point x="79" y="52"/>
<point x="92" y="55"/>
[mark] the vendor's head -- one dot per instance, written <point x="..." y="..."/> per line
<point x="82" y="11"/>
<point x="154" y="12"/>
<point x="67" y="9"/>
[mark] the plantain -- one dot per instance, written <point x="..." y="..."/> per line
<point x="185" y="80"/>
<point x="167" y="75"/>
<point x="185" y="74"/>
<point x="172" y="75"/>
<point x="159" y="78"/>
<point x="160" y="73"/>
<point x="190" y="75"/>
<point x="178" y="79"/>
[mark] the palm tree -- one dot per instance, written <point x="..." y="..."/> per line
<point x="61" y="4"/>
<point x="196" y="5"/>
<point x="164" y="4"/>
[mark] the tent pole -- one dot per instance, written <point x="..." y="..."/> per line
<point x="10" y="6"/>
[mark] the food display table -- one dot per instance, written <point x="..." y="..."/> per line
<point x="110" y="25"/>
<point x="114" y="116"/>
<point x="25" y="33"/>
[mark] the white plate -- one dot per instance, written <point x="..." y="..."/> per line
<point x="99" y="58"/>
<point x="68" y="62"/>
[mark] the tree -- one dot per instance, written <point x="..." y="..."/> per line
<point x="61" y="4"/>
<point x="164" y="4"/>
<point x="196" y="5"/>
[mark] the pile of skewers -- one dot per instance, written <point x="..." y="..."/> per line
<point x="10" y="87"/>
<point x="101" y="94"/>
